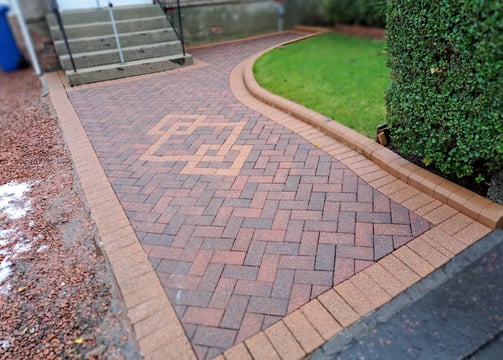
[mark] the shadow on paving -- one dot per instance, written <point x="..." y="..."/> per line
<point x="454" y="313"/>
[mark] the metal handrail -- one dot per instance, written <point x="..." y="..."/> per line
<point x="116" y="33"/>
<point x="169" y="7"/>
<point x="55" y="10"/>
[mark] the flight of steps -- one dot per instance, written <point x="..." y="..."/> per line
<point x="148" y="41"/>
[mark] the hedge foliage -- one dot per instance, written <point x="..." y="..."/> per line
<point x="358" y="12"/>
<point x="444" y="104"/>
<point x="351" y="12"/>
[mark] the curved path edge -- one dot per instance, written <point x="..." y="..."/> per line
<point x="465" y="201"/>
<point x="157" y="328"/>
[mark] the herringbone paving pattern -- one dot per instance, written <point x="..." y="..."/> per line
<point x="243" y="220"/>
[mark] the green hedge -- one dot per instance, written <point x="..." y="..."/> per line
<point x="446" y="95"/>
<point x="358" y="12"/>
<point x="352" y="12"/>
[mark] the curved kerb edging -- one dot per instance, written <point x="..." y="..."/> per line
<point x="465" y="201"/>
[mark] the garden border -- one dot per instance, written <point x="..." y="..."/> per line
<point x="467" y="202"/>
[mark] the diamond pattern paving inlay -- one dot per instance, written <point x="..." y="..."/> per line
<point x="185" y="141"/>
<point x="243" y="220"/>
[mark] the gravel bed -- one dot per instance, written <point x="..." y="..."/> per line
<point x="58" y="299"/>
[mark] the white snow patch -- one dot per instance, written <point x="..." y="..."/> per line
<point x="43" y="248"/>
<point x="5" y="344"/>
<point x="12" y="201"/>
<point x="5" y="271"/>
<point x="13" y="206"/>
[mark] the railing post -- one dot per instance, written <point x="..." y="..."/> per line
<point x="181" y="26"/>
<point x="116" y="34"/>
<point x="172" y="21"/>
<point x="55" y="10"/>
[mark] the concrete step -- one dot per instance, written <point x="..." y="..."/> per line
<point x="105" y="28"/>
<point x="97" y="43"/>
<point x="133" y="68"/>
<point x="131" y="53"/>
<point x="75" y="17"/>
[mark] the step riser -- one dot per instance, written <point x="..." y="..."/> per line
<point x="103" y="29"/>
<point x="99" y="15"/>
<point x="122" y="72"/>
<point x="83" y="61"/>
<point x="108" y="42"/>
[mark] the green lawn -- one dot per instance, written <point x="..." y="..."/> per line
<point x="339" y="76"/>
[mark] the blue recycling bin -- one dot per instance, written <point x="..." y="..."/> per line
<point x="10" y="57"/>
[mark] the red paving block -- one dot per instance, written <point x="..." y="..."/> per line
<point x="222" y="293"/>
<point x="201" y="262"/>
<point x="253" y="288"/>
<point x="251" y="324"/>
<point x="202" y="316"/>
<point x="309" y="243"/>
<point x="392" y="229"/>
<point x="296" y="262"/>
<point x="268" y="268"/>
<point x="228" y="257"/>
<point x="355" y="252"/>
<point x="364" y="235"/>
<point x="344" y="268"/>
<point x="235" y="311"/>
<point x="300" y="295"/>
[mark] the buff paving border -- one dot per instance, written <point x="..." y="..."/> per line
<point x="461" y="217"/>
<point x="157" y="328"/>
<point x="467" y="202"/>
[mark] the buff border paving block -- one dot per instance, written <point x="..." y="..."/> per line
<point x="320" y="319"/>
<point x="261" y="348"/>
<point x="156" y="326"/>
<point x="284" y="342"/>
<point x="303" y="331"/>
<point x="238" y="352"/>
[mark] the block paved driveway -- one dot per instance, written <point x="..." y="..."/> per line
<point x="243" y="220"/>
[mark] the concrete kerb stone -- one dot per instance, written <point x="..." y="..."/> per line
<point x="138" y="284"/>
<point x="490" y="214"/>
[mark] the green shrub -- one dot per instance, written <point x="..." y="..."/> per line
<point x="317" y="13"/>
<point x="445" y="98"/>
<point x="357" y="12"/>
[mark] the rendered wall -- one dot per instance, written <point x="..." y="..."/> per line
<point x="224" y="20"/>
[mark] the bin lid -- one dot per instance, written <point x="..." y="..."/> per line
<point x="3" y="9"/>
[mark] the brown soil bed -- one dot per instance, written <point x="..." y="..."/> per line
<point x="62" y="301"/>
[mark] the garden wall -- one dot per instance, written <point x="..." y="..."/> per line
<point x="208" y="22"/>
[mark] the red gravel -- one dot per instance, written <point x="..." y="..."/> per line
<point x="63" y="302"/>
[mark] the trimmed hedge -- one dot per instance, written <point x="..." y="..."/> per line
<point x="445" y="99"/>
<point x="358" y="12"/>
<point x="351" y="12"/>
